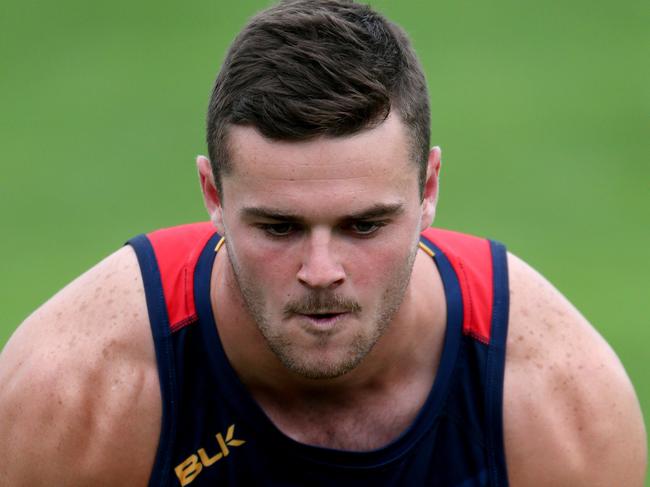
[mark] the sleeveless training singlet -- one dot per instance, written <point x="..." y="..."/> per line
<point x="213" y="432"/>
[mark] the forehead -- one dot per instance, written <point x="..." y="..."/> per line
<point x="252" y="154"/>
<point x="374" y="161"/>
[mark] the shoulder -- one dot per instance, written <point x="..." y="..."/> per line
<point x="571" y="416"/>
<point x="79" y="388"/>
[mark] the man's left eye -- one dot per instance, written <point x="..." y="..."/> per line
<point x="365" y="228"/>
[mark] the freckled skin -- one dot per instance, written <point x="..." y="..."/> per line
<point x="555" y="384"/>
<point x="78" y="379"/>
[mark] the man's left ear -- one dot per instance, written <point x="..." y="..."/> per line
<point x="430" y="194"/>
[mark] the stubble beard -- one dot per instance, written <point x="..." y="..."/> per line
<point x="359" y="346"/>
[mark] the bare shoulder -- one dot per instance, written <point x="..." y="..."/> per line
<point x="571" y="416"/>
<point x="79" y="390"/>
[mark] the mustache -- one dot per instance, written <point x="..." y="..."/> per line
<point x="315" y="303"/>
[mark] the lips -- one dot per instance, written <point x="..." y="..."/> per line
<point x="323" y="321"/>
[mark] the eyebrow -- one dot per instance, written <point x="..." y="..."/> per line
<point x="379" y="210"/>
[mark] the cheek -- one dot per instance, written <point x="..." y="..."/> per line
<point x="266" y="266"/>
<point x="375" y="268"/>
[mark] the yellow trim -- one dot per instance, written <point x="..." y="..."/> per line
<point x="427" y="250"/>
<point x="221" y="242"/>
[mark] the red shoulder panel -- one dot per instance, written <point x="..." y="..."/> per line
<point x="177" y="251"/>
<point x="471" y="258"/>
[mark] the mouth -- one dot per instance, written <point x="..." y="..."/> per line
<point x="324" y="319"/>
<point x="324" y="316"/>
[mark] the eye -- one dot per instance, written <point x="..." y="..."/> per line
<point x="364" y="228"/>
<point x="278" y="229"/>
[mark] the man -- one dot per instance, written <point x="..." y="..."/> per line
<point x="316" y="331"/>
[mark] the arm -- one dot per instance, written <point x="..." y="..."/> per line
<point x="79" y="391"/>
<point x="571" y="417"/>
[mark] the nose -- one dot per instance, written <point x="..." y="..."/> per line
<point x="320" y="268"/>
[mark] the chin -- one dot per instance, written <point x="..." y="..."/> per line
<point x="320" y="371"/>
<point x="320" y="363"/>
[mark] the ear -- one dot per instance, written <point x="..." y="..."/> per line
<point x="431" y="186"/>
<point x="211" y="196"/>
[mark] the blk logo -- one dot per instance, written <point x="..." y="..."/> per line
<point x="188" y="470"/>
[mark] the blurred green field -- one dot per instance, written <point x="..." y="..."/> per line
<point x="542" y="111"/>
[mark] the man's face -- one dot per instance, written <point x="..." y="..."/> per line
<point x="321" y="236"/>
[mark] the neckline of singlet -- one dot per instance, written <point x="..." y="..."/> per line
<point x="237" y="395"/>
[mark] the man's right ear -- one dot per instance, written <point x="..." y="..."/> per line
<point x="211" y="196"/>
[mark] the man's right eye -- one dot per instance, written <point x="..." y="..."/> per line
<point x="278" y="229"/>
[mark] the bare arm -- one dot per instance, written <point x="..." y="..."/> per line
<point x="79" y="391"/>
<point x="571" y="415"/>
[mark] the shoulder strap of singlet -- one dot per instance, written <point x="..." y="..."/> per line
<point x="482" y="271"/>
<point x="167" y="259"/>
<point x="496" y="364"/>
<point x="471" y="259"/>
<point x="161" y="333"/>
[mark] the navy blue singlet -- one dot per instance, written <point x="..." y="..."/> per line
<point x="214" y="433"/>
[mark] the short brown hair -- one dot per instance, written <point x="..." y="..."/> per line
<point x="309" y="68"/>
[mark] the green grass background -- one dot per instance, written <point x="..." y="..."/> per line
<point x="542" y="110"/>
